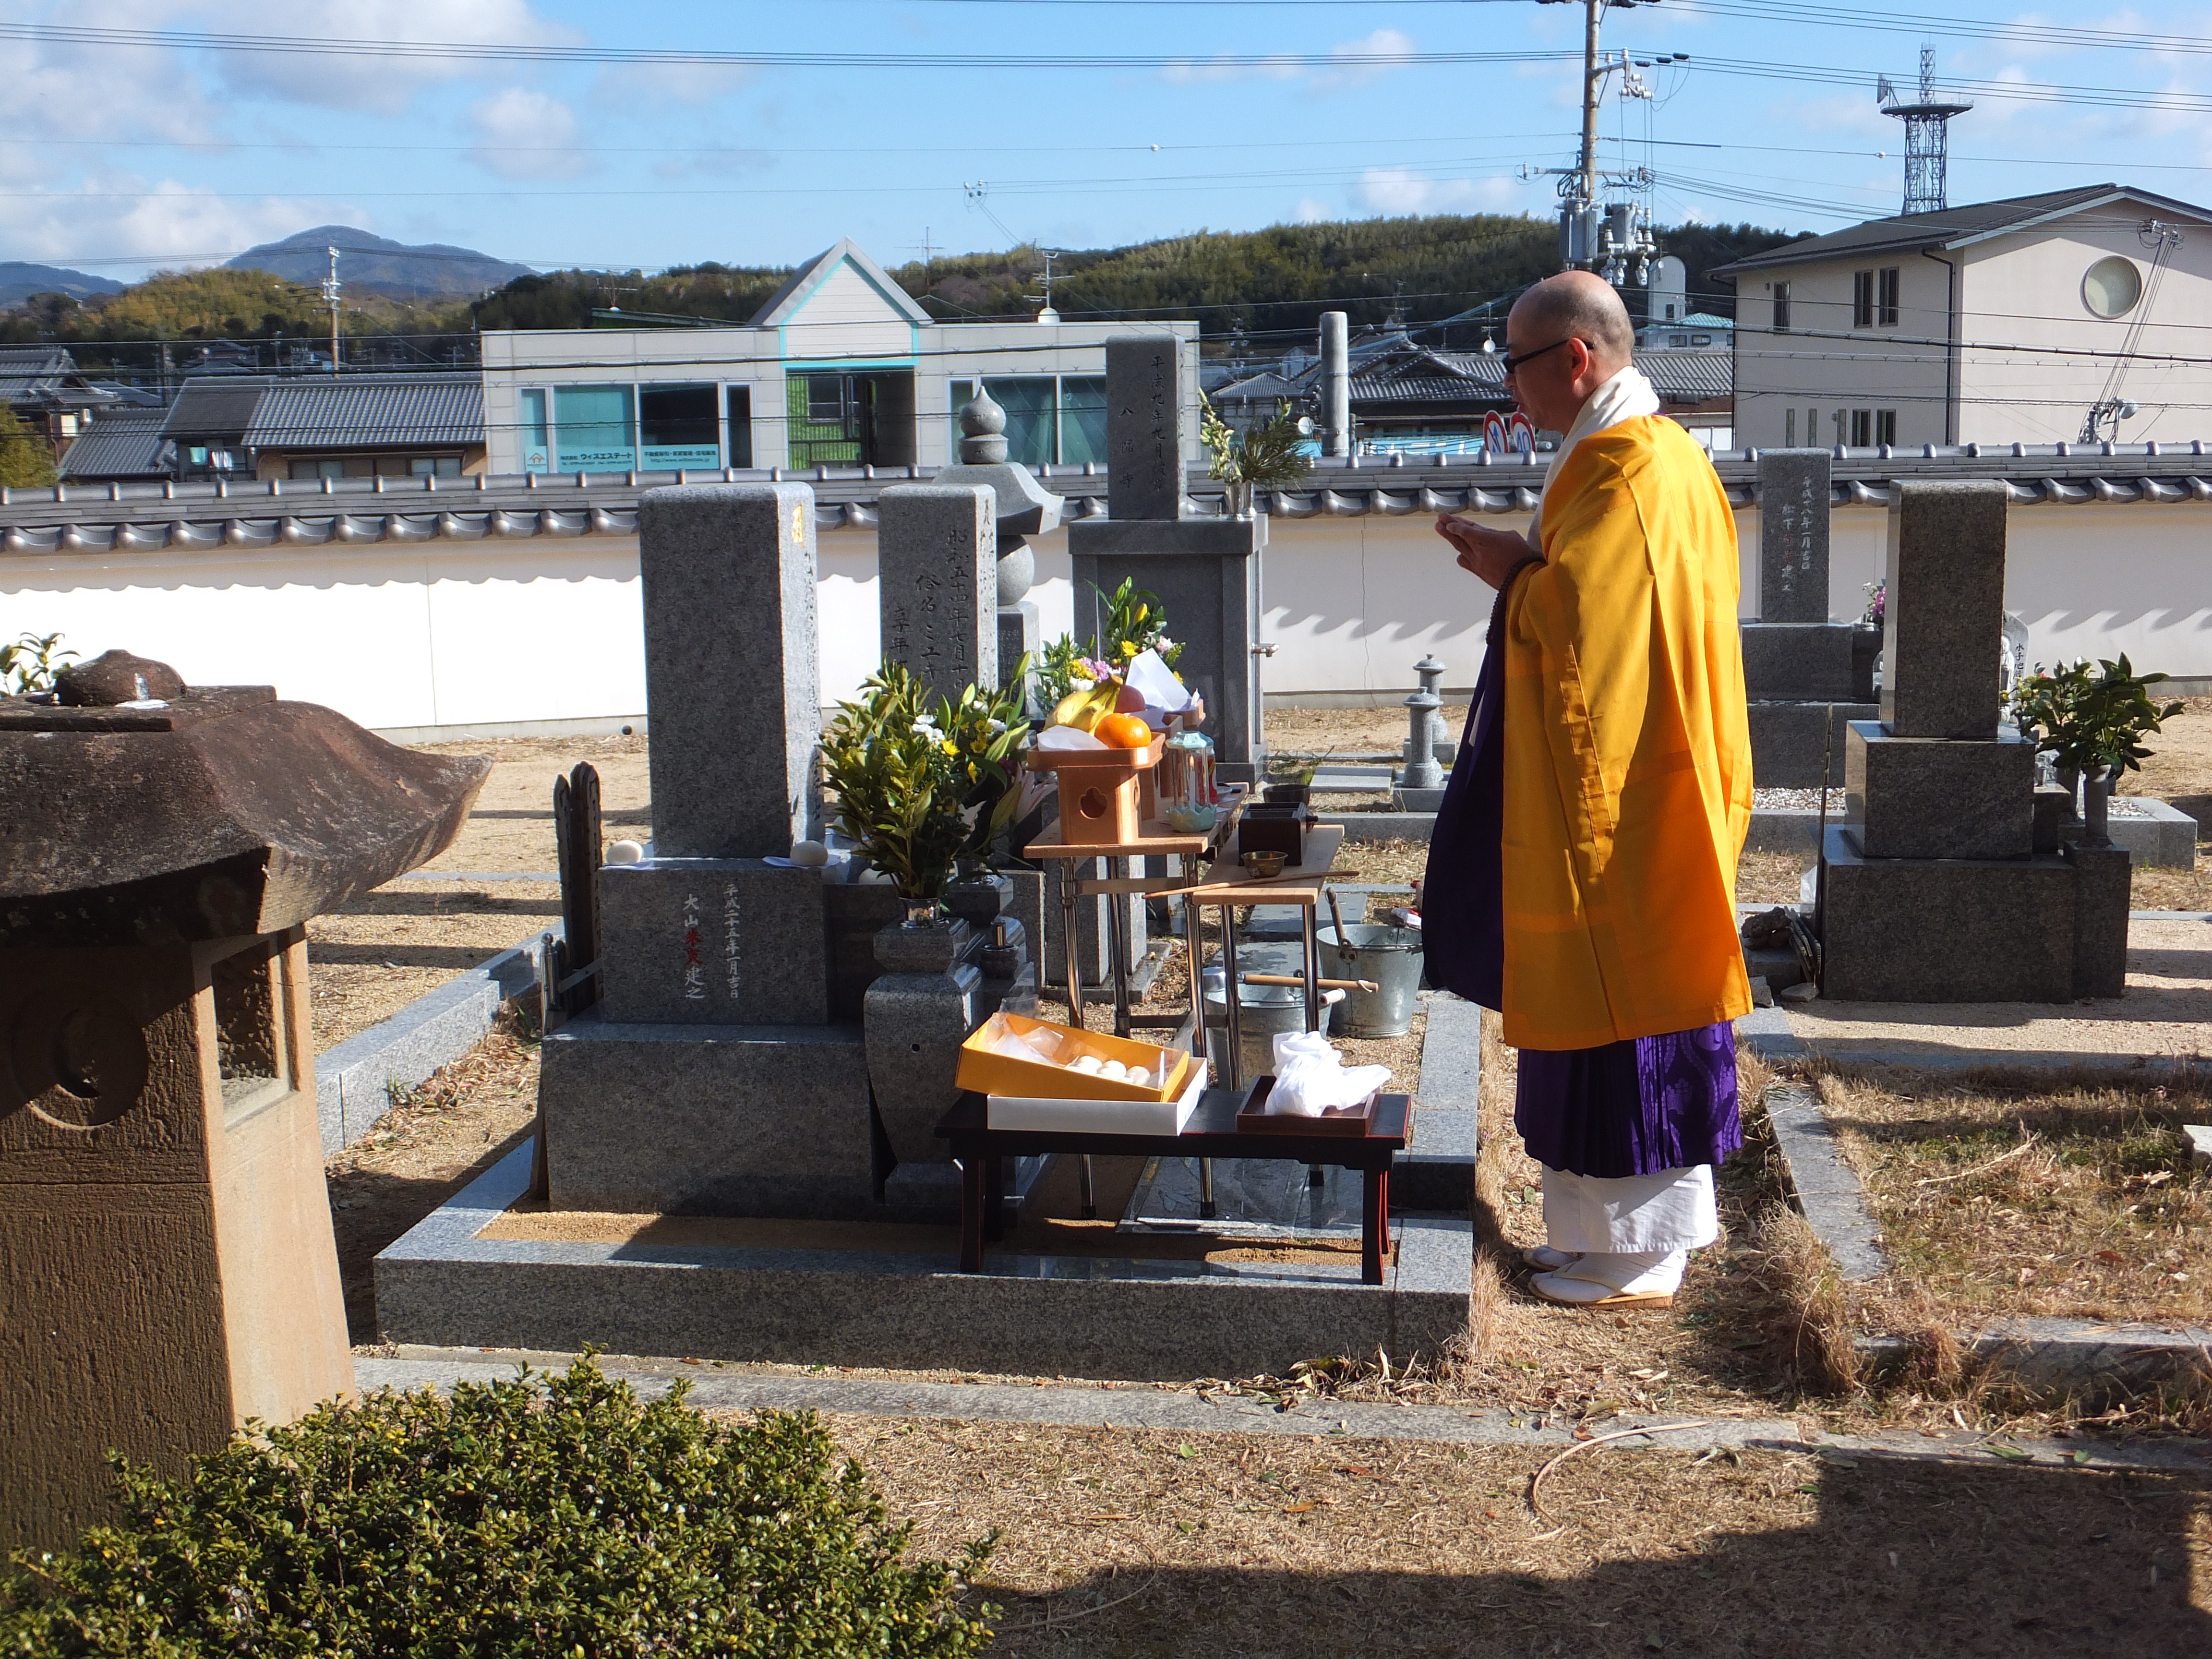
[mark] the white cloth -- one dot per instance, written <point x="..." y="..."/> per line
<point x="1593" y="1278"/>
<point x="1672" y="1210"/>
<point x="1624" y="397"/>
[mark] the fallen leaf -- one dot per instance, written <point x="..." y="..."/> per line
<point x="1299" y="1509"/>
<point x="1351" y="1468"/>
<point x="1185" y="1450"/>
<point x="2010" y="1453"/>
<point x="1109" y="1517"/>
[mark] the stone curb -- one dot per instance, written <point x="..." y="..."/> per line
<point x="1134" y="1406"/>
<point x="2056" y="1356"/>
<point x="353" y="1081"/>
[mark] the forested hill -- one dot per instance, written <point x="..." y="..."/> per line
<point x="1272" y="281"/>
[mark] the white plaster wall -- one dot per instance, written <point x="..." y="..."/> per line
<point x="494" y="633"/>
<point x="1824" y="364"/>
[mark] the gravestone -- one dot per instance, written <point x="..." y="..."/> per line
<point x="1933" y="887"/>
<point x="936" y="555"/>
<point x="1205" y="571"/>
<point x="711" y="1078"/>
<point x="1025" y="508"/>
<point x="171" y="1270"/>
<point x="1805" y="678"/>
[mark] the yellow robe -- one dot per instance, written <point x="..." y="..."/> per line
<point x="1627" y="766"/>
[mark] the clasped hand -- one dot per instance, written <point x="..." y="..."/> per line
<point x="1491" y="555"/>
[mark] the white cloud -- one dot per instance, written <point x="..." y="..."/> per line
<point x="1352" y="63"/>
<point x="1310" y="212"/>
<point x="121" y="226"/>
<point x="689" y="84"/>
<point x="387" y="84"/>
<point x="1400" y="191"/>
<point x="522" y="134"/>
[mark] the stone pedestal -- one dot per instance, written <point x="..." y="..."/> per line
<point x="1802" y="672"/>
<point x="1802" y="662"/>
<point x="1933" y="798"/>
<point x="1791" y="743"/>
<point x="1206" y="573"/>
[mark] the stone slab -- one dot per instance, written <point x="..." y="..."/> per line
<point x="1943" y="618"/>
<point x="1351" y="779"/>
<point x="1021" y="634"/>
<point x="1148" y="411"/>
<point x="1206" y="574"/>
<point x="713" y="942"/>
<point x="2155" y="832"/>
<point x="1799" y="662"/>
<point x="1789" y="741"/>
<point x="701" y="1119"/>
<point x="1828" y="1190"/>
<point x="1416" y="800"/>
<point x="1793" y="504"/>
<point x="354" y="1080"/>
<point x="937" y="583"/>
<point x="1934" y="797"/>
<point x="732" y="678"/>
<point x="1950" y="930"/>
<point x="1104" y="1317"/>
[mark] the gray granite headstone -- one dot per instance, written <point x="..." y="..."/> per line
<point x="1793" y="535"/>
<point x="1944" y="619"/>
<point x="732" y="679"/>
<point x="1145" y="417"/>
<point x="713" y="942"/>
<point x="936" y="556"/>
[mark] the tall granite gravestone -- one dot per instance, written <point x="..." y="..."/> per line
<point x="170" y="1270"/>
<point x="1936" y="889"/>
<point x="1807" y="677"/>
<point x="937" y="584"/>
<point x="1205" y="571"/>
<point x="722" y="1071"/>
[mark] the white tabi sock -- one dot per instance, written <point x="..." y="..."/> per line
<point x="1643" y="1272"/>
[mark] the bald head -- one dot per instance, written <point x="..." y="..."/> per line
<point x="1582" y="304"/>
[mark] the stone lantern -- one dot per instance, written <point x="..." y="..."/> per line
<point x="170" y="1266"/>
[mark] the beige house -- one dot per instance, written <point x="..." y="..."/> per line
<point x="1998" y="322"/>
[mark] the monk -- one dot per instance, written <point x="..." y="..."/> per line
<point x="1582" y="877"/>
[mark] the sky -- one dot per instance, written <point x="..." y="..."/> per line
<point x="560" y="133"/>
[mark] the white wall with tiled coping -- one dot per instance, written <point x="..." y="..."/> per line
<point x="546" y="631"/>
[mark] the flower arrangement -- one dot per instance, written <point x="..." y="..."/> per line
<point x="1271" y="455"/>
<point x="1877" y="604"/>
<point x="1135" y="622"/>
<point x="923" y="788"/>
<point x="2090" y="719"/>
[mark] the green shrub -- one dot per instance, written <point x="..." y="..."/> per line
<point x="552" y="1515"/>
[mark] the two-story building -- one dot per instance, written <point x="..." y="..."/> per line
<point x="841" y="367"/>
<point x="1996" y="322"/>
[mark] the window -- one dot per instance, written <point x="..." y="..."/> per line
<point x="678" y="426"/>
<point x="826" y="399"/>
<point x="537" y="451"/>
<point x="740" y="402"/>
<point x="1082" y="420"/>
<point x="594" y="428"/>
<point x="433" y="466"/>
<point x="1048" y="419"/>
<point x="1862" y="299"/>
<point x="1886" y="296"/>
<point x="1862" y="428"/>
<point x="1701" y="339"/>
<point x="1884" y="426"/>
<point x="1790" y="429"/>
<point x="1782" y="307"/>
<point x="2110" y="287"/>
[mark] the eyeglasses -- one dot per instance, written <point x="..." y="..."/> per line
<point x="1512" y="363"/>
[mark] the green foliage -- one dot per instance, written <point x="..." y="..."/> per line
<point x="552" y="1515"/>
<point x="921" y="789"/>
<point x="566" y="299"/>
<point x="1268" y="455"/>
<point x="1135" y="621"/>
<point x="1057" y="674"/>
<point x="25" y="461"/>
<point x="2091" y="718"/>
<point x="207" y="304"/>
<point x="32" y="662"/>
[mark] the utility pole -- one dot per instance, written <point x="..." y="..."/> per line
<point x="1617" y="238"/>
<point x="331" y="295"/>
<point x="1593" y="84"/>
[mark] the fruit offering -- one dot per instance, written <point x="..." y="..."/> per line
<point x="1122" y="731"/>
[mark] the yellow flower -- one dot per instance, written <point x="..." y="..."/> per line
<point x="1143" y="610"/>
<point x="950" y="747"/>
<point x="1128" y="647"/>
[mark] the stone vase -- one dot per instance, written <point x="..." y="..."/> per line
<point x="1236" y="500"/>
<point x="915" y="1017"/>
<point x="2096" y="801"/>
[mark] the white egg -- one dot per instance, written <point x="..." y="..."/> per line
<point x="1114" y="1070"/>
<point x="625" y="852"/>
<point x="810" y="854"/>
<point x="1088" y="1064"/>
<point x="1140" y="1077"/>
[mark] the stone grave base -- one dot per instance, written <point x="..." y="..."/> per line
<point x="903" y="1306"/>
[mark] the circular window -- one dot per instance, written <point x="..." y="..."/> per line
<point x="2110" y="287"/>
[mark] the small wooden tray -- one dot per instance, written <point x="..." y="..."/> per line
<point x="1102" y="760"/>
<point x="1253" y="1117"/>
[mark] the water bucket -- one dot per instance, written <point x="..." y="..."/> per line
<point x="1388" y="957"/>
<point x="1262" y="1010"/>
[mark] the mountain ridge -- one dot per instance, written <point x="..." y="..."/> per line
<point x="377" y="264"/>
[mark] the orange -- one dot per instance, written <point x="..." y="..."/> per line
<point x="1122" y="731"/>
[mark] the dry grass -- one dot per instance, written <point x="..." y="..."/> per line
<point x="1770" y="877"/>
<point x="1313" y="732"/>
<point x="1131" y="1543"/>
<point x="2013" y="1197"/>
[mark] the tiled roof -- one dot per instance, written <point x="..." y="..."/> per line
<point x="1950" y="227"/>
<point x="354" y="411"/>
<point x="122" y="443"/>
<point x="28" y="372"/>
<point x="218" y="406"/>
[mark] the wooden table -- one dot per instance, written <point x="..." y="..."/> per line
<point x="1232" y="884"/>
<point x="1211" y="1133"/>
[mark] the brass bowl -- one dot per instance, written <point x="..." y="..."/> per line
<point x="1265" y="866"/>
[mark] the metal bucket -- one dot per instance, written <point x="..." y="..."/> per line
<point x="1389" y="958"/>
<point x="1262" y="1010"/>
